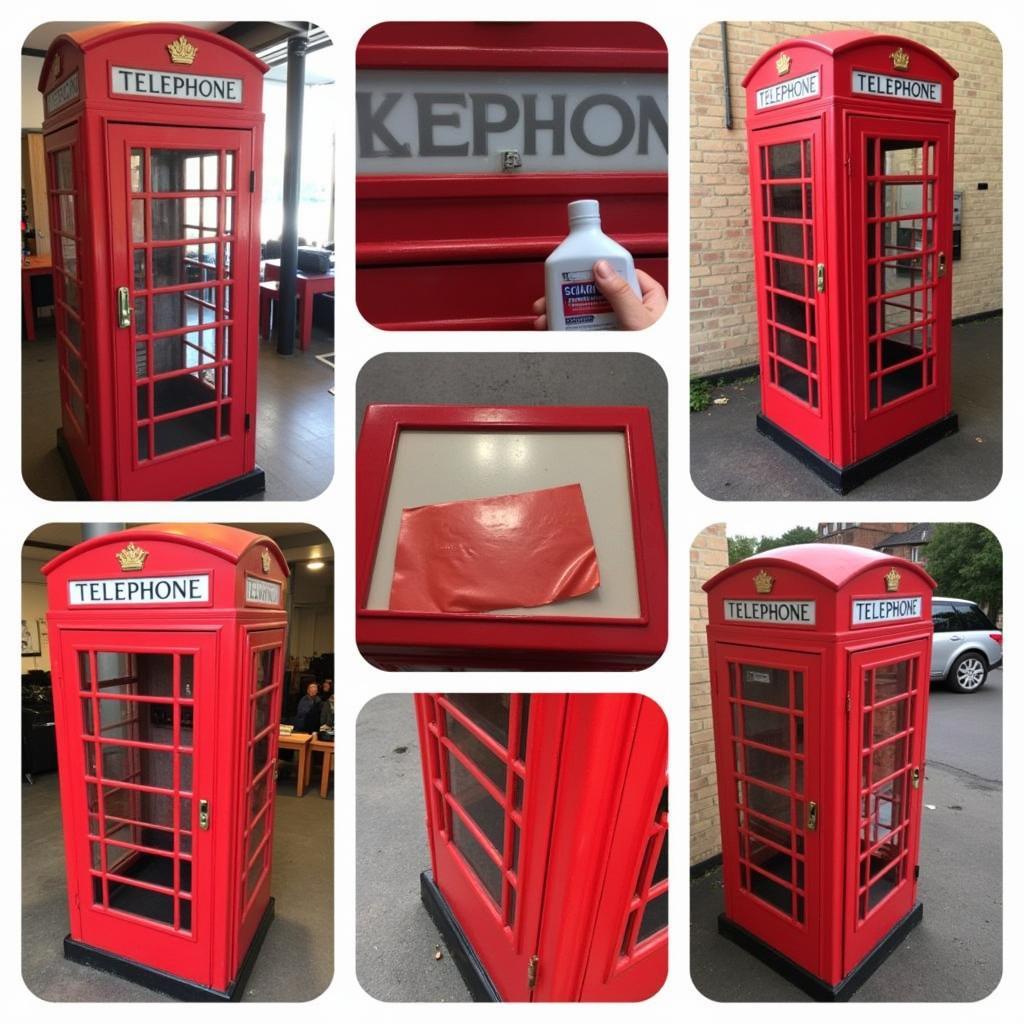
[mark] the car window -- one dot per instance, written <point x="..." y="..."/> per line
<point x="971" y="616"/>
<point x="943" y="618"/>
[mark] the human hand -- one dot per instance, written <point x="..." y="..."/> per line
<point x="634" y="314"/>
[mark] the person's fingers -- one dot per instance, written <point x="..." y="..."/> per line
<point x="540" y="324"/>
<point x="539" y="305"/>
<point x="654" y="297"/>
<point x="615" y="288"/>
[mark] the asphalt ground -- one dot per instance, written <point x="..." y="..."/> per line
<point x="955" y="953"/>
<point x="731" y="461"/>
<point x="396" y="942"/>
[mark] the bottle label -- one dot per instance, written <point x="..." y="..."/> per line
<point x="583" y="305"/>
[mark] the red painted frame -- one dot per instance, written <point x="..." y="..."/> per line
<point x="392" y="639"/>
<point x="105" y="459"/>
<point x="473" y="224"/>
<point x="846" y="430"/>
<point x="595" y="766"/>
<point x="833" y="576"/>
<point x="224" y="633"/>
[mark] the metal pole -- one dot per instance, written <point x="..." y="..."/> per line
<point x="726" y="97"/>
<point x="290" y="196"/>
<point x="90" y="530"/>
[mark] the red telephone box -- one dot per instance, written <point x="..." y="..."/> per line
<point x="410" y="456"/>
<point x="850" y="139"/>
<point x="473" y="138"/>
<point x="820" y="658"/>
<point x="153" y="137"/>
<point x="547" y="820"/>
<point x="167" y="650"/>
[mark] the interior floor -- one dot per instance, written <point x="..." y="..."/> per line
<point x="296" y="962"/>
<point x="294" y="419"/>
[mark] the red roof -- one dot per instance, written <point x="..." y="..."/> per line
<point x="831" y="564"/>
<point x="229" y="542"/>
<point x="835" y="43"/>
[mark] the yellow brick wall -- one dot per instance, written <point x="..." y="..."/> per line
<point x="709" y="555"/>
<point x="723" y="318"/>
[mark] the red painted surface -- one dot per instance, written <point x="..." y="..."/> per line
<point x="466" y="251"/>
<point x="820" y="925"/>
<point x="96" y="356"/>
<point x="225" y="637"/>
<point x="393" y="639"/>
<point x="591" y="825"/>
<point x="830" y="407"/>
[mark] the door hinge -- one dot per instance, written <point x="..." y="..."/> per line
<point x="247" y="421"/>
<point x="531" y="971"/>
<point x="252" y="181"/>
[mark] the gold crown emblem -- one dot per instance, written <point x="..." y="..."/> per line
<point x="763" y="583"/>
<point x="182" y="51"/>
<point x="265" y="561"/>
<point x="132" y="557"/>
<point x="900" y="59"/>
<point x="892" y="580"/>
<point x="56" y="66"/>
<point x="782" y="64"/>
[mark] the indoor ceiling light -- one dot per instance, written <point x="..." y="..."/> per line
<point x="314" y="565"/>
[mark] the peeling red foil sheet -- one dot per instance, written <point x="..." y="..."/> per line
<point x="514" y="551"/>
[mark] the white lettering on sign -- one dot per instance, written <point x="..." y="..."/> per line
<point x="259" y="591"/>
<point x="141" y="590"/>
<point x="174" y="85"/>
<point x="774" y="613"/>
<point x="885" y="609"/>
<point x="65" y="93"/>
<point x="789" y="92"/>
<point x="442" y="122"/>
<point x="873" y="83"/>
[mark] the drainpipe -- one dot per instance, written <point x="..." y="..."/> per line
<point x="726" y="98"/>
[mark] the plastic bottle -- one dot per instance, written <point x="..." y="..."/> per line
<point x="574" y="302"/>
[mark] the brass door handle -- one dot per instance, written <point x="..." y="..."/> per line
<point x="915" y="778"/>
<point x="812" y="816"/>
<point x="821" y="277"/>
<point x="942" y="264"/>
<point x="124" y="308"/>
<point x="204" y="814"/>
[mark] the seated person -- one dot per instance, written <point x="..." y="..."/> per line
<point x="307" y="714"/>
<point x="327" y="718"/>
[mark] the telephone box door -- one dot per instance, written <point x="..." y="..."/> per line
<point x="180" y="209"/>
<point x="143" y="720"/>
<point x="492" y="779"/>
<point x="785" y="174"/>
<point x="767" y="717"/>
<point x="901" y="277"/>
<point x="888" y="689"/>
<point x="264" y="664"/>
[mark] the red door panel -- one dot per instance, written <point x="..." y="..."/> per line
<point x="901" y="278"/>
<point x="885" y="748"/>
<point x="787" y="184"/>
<point x="142" y="723"/>
<point x="768" y="729"/>
<point x="180" y="238"/>
<point x="492" y="771"/>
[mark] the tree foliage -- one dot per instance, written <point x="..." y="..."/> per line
<point x="966" y="560"/>
<point x="741" y="547"/>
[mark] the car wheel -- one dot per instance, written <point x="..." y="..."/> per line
<point x="968" y="673"/>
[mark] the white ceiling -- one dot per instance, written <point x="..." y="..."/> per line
<point x="41" y="37"/>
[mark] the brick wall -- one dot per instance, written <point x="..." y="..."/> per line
<point x="861" y="535"/>
<point x="708" y="556"/>
<point x="723" y="318"/>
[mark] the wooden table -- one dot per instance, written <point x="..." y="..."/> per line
<point x="299" y="741"/>
<point x="326" y="747"/>
<point x="306" y="286"/>
<point x="32" y="266"/>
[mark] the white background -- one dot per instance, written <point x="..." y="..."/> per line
<point x="678" y="1002"/>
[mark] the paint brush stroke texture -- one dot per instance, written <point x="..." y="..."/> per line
<point x="513" y="551"/>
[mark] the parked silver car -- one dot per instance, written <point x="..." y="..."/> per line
<point x="965" y="646"/>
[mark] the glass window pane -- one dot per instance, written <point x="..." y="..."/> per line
<point x="135" y="170"/>
<point x="767" y="727"/>
<point x="185" y="431"/>
<point x="180" y="309"/>
<point x="655" y="917"/>
<point x="490" y="765"/>
<point x="787" y="239"/>
<point x="484" y="868"/>
<point x="62" y="164"/>
<point x="791" y="347"/>
<point x="766" y="766"/>
<point x="184" y="391"/>
<point x="772" y="892"/>
<point x="477" y="802"/>
<point x="229" y="170"/>
<point x="785" y="201"/>
<point x="69" y="255"/>
<point x="183" y="170"/>
<point x="767" y="802"/>
<point x="179" y="351"/>
<point x="139" y="220"/>
<point x="183" y="218"/>
<point x="139" y="264"/>
<point x="901" y="156"/>
<point x="488" y="711"/>
<point x="791" y="312"/>
<point x="784" y="160"/>
<point x="184" y="264"/>
<point x="765" y="685"/>
<point x="790" y="277"/>
<point x="67" y="214"/>
<point x="794" y="382"/>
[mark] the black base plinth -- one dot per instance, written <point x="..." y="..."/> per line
<point x="244" y="486"/>
<point x="473" y="972"/>
<point x="844" y="479"/>
<point x="820" y="990"/>
<point x="169" y="984"/>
